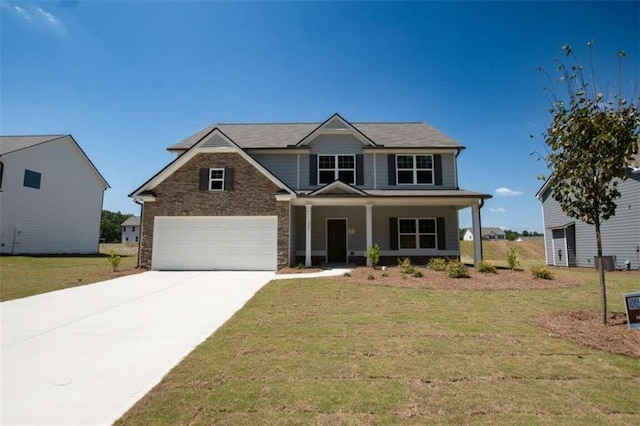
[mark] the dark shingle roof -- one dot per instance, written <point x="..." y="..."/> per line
<point x="281" y="135"/>
<point x="14" y="143"/>
<point x="131" y="221"/>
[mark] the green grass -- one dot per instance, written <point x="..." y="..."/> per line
<point x="529" y="253"/>
<point x="24" y="276"/>
<point x="324" y="352"/>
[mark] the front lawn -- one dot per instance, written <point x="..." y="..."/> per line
<point x="24" y="276"/>
<point x="330" y="352"/>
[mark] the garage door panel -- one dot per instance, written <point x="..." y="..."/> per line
<point x="209" y="243"/>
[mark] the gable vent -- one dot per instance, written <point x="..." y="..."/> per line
<point x="215" y="141"/>
<point x="336" y="124"/>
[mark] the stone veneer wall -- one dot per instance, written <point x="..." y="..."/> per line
<point x="179" y="195"/>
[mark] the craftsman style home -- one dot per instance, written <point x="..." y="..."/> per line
<point x="266" y="196"/>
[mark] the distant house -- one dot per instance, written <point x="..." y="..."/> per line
<point x="50" y="196"/>
<point x="487" y="234"/>
<point x="571" y="242"/>
<point x="130" y="230"/>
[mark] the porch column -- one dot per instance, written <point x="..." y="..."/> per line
<point x="477" y="234"/>
<point x="307" y="249"/>
<point x="369" y="230"/>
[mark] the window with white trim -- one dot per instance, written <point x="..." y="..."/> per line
<point x="414" y="169"/>
<point x="337" y="167"/>
<point x="216" y="179"/>
<point x="417" y="233"/>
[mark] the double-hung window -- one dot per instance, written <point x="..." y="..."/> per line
<point x="417" y="234"/>
<point x="216" y="179"/>
<point x="414" y="169"/>
<point x="337" y="167"/>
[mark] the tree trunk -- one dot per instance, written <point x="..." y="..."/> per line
<point x="603" y="286"/>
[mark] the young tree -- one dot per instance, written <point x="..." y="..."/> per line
<point x="591" y="140"/>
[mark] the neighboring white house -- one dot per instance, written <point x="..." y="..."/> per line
<point x="130" y="230"/>
<point x="50" y="196"/>
<point x="487" y="234"/>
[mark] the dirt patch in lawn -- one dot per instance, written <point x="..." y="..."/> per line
<point x="585" y="328"/>
<point x="299" y="270"/>
<point x="505" y="279"/>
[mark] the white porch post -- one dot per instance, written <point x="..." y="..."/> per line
<point x="307" y="251"/>
<point x="369" y="230"/>
<point x="477" y="234"/>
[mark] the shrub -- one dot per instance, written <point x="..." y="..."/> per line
<point x="346" y="274"/>
<point x="438" y="264"/>
<point x="405" y="266"/>
<point x="114" y="260"/>
<point x="541" y="272"/>
<point x="458" y="270"/>
<point x="300" y="266"/>
<point x="384" y="274"/>
<point x="512" y="259"/>
<point x="487" y="268"/>
<point x="370" y="277"/>
<point x="373" y="254"/>
<point x="417" y="274"/>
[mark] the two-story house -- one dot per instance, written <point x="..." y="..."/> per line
<point x="50" y="196"/>
<point x="489" y="234"/>
<point x="266" y="196"/>
<point x="130" y="230"/>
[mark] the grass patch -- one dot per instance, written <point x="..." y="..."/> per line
<point x="24" y="276"/>
<point x="332" y="352"/>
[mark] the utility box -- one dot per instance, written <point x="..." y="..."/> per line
<point x="607" y="262"/>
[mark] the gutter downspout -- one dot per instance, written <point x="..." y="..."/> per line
<point x="141" y="227"/>
<point x="480" y="226"/>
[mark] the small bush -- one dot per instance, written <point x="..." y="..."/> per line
<point x="417" y="274"/>
<point x="346" y="274"/>
<point x="373" y="254"/>
<point x="512" y="259"/>
<point x="384" y="274"/>
<point x="487" y="268"/>
<point x="540" y="272"/>
<point x="458" y="270"/>
<point x="300" y="266"/>
<point x="438" y="264"/>
<point x="370" y="277"/>
<point x="405" y="266"/>
<point x="114" y="260"/>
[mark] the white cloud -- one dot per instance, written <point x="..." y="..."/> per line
<point x="36" y="16"/>
<point x="506" y="192"/>
<point x="46" y="15"/>
<point x="21" y="12"/>
<point x="498" y="210"/>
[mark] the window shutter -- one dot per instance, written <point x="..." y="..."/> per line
<point x="204" y="179"/>
<point x="437" y="169"/>
<point x="313" y="169"/>
<point x="393" y="233"/>
<point x="228" y="179"/>
<point x="359" y="169"/>
<point x="442" y="242"/>
<point x="391" y="160"/>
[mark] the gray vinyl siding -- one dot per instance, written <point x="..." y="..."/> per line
<point x="282" y="166"/>
<point x="356" y="224"/>
<point x="448" y="174"/>
<point x="620" y="234"/>
<point x="335" y="144"/>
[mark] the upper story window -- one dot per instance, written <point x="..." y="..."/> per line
<point x="337" y="167"/>
<point x="417" y="233"/>
<point x="414" y="169"/>
<point x="32" y="179"/>
<point x="1" y="173"/>
<point x="216" y="179"/>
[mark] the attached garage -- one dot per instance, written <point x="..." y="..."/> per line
<point x="215" y="243"/>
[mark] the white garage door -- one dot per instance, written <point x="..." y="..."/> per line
<point x="210" y="243"/>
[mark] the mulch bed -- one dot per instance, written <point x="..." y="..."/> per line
<point x="299" y="271"/>
<point x="585" y="328"/>
<point x="505" y="279"/>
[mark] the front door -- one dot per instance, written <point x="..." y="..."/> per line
<point x="337" y="240"/>
<point x="558" y="247"/>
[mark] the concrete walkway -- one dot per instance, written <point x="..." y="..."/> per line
<point x="334" y="272"/>
<point x="85" y="355"/>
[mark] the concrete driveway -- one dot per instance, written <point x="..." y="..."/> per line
<point x="85" y="355"/>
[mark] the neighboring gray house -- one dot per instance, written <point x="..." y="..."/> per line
<point x="266" y="196"/>
<point x="50" y="196"/>
<point x="489" y="234"/>
<point x="130" y="230"/>
<point x="570" y="242"/>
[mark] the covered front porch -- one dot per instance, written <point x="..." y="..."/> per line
<point x="339" y="228"/>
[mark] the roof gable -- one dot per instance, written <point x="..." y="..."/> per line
<point x="337" y="188"/>
<point x="336" y="124"/>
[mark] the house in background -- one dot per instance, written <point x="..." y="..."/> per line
<point x="130" y="230"/>
<point x="571" y="242"/>
<point x="50" y="196"/>
<point x="266" y="196"/>
<point x="490" y="234"/>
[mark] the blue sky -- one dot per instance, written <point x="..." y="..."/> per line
<point x="128" y="79"/>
